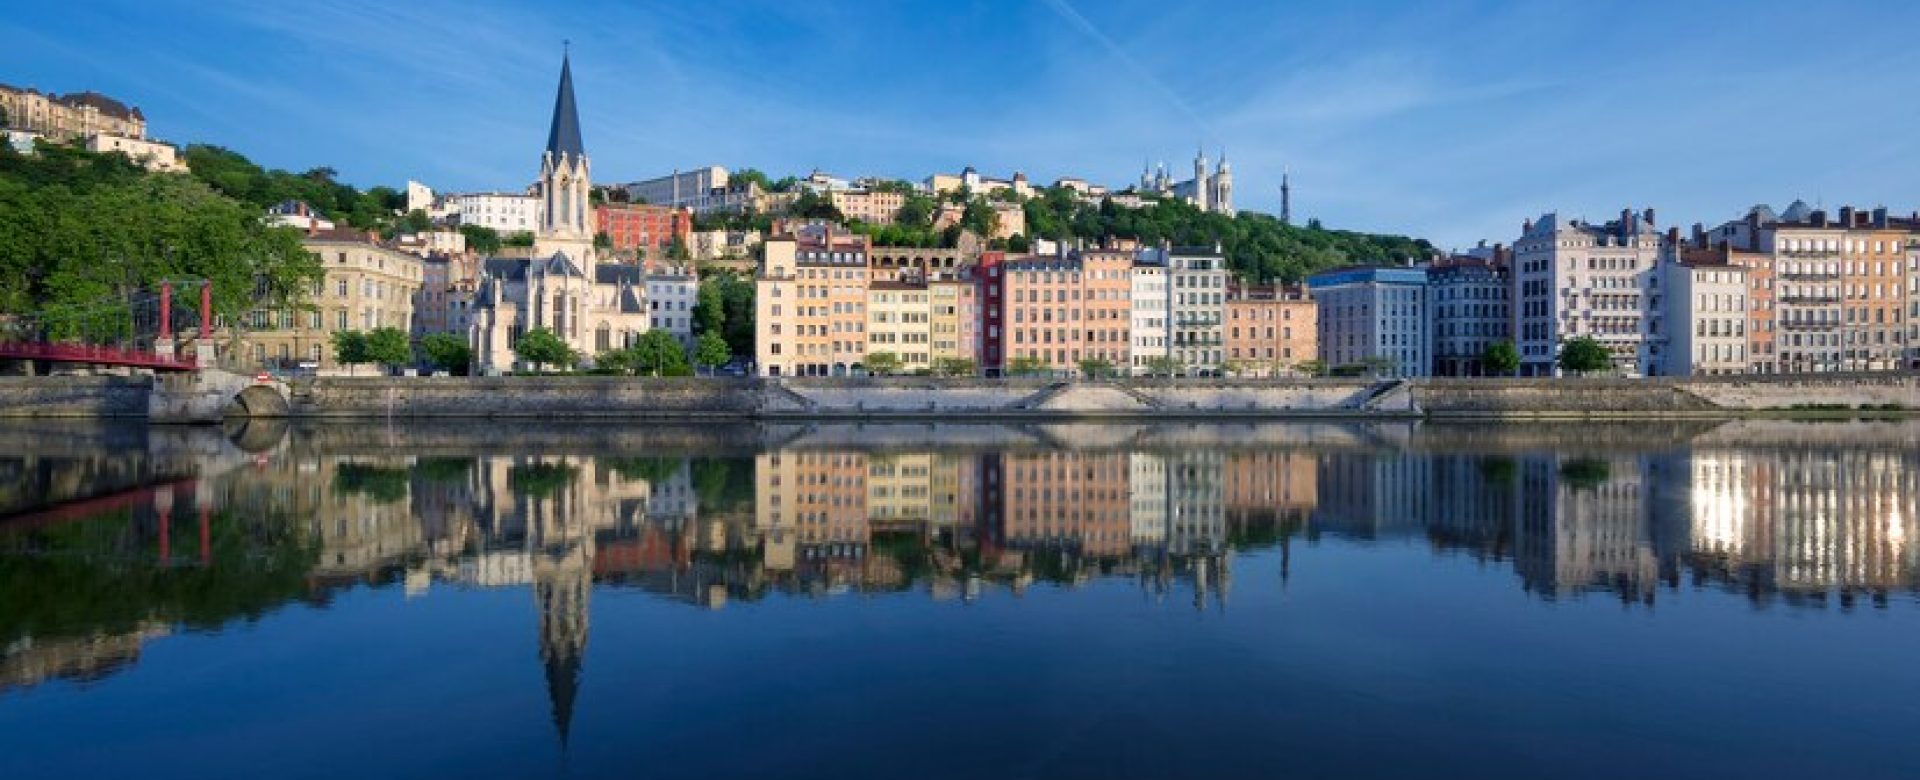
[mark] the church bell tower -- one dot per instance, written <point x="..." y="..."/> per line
<point x="566" y="222"/>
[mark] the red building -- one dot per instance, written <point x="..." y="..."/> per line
<point x="635" y="226"/>
<point x="991" y="274"/>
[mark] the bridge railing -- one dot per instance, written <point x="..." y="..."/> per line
<point x="92" y="353"/>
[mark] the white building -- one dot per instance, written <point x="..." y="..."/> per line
<point x="700" y="189"/>
<point x="1196" y="304"/>
<point x="1575" y="279"/>
<point x="152" y="155"/>
<point x="1706" y="319"/>
<point x="505" y="212"/>
<point x="419" y="197"/>
<point x="671" y="296"/>
<point x="1150" y="312"/>
<point x="1374" y="318"/>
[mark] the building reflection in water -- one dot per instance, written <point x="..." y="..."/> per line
<point x="1800" y="523"/>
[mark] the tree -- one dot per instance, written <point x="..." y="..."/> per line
<point x="677" y="252"/>
<point x="953" y="367"/>
<point x="1584" y="354"/>
<point x="447" y="352"/>
<point x="1097" y="368"/>
<point x="883" y="363"/>
<point x="388" y="347"/>
<point x="481" y="239"/>
<point x="711" y="351"/>
<point x="1500" y="359"/>
<point x="916" y="212"/>
<point x="1026" y="366"/>
<point x="350" y="348"/>
<point x="82" y="234"/>
<point x="657" y="353"/>
<point x="1311" y="368"/>
<point x="542" y="347"/>
<point x="522" y="239"/>
<point x="1163" y="365"/>
<point x="602" y="241"/>
<point x="709" y="307"/>
<point x="1378" y="365"/>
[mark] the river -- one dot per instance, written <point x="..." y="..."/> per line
<point x="479" y="599"/>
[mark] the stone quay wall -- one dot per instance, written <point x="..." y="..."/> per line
<point x="74" y="396"/>
<point x="201" y="399"/>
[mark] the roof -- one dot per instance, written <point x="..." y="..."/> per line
<point x="557" y="265"/>
<point x="613" y="273"/>
<point x="1799" y="211"/>
<point x="563" y="137"/>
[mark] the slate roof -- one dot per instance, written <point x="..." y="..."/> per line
<point x="563" y="138"/>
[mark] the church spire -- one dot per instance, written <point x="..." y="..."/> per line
<point x="564" y="136"/>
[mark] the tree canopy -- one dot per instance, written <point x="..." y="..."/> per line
<point x="233" y="175"/>
<point x="84" y="232"/>
<point x="1584" y="354"/>
<point x="543" y="347"/>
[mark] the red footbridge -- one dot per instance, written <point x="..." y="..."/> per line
<point x="150" y="358"/>
<point x="95" y="355"/>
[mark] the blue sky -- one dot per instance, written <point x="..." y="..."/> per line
<point x="1453" y="121"/>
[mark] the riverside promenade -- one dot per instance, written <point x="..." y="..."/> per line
<point x="910" y="398"/>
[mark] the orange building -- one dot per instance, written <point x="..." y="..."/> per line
<point x="1060" y="311"/>
<point x="1270" y="329"/>
<point x="810" y="305"/>
<point x="639" y="226"/>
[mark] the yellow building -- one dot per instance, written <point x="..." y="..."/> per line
<point x="367" y="286"/>
<point x="70" y="117"/>
<point x="955" y="317"/>
<point x="152" y="155"/>
<point x="899" y="321"/>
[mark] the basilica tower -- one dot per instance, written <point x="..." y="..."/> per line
<point x="1200" y="180"/>
<point x="566" y="223"/>
<point x="1223" y="186"/>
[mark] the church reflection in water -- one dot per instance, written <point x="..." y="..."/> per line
<point x="114" y="545"/>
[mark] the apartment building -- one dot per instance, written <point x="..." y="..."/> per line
<point x="1373" y="319"/>
<point x="1270" y="330"/>
<point x="505" y="212"/>
<point x="640" y="226"/>
<point x="1827" y="292"/>
<point x="810" y="299"/>
<point x="1575" y="279"/>
<point x="900" y="322"/>
<point x="1151" y="310"/>
<point x="1196" y="304"/>
<point x="955" y="323"/>
<point x="153" y="155"/>
<point x="1472" y="310"/>
<point x="874" y="207"/>
<point x="1706" y="317"/>
<point x="671" y="294"/>
<point x="367" y="286"/>
<point x="1060" y="311"/>
<point x="70" y="117"/>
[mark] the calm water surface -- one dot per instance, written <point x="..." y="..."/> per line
<point x="492" y="600"/>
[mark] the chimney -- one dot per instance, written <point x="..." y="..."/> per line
<point x="1673" y="235"/>
<point x="1753" y="231"/>
<point x="1649" y="217"/>
<point x="1846" y="217"/>
<point x="1699" y="235"/>
<point x="1526" y="227"/>
<point x="1820" y="218"/>
<point x="1880" y="217"/>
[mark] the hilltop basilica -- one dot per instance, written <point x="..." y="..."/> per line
<point x="565" y="286"/>
<point x="1206" y="191"/>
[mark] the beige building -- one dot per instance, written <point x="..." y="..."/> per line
<point x="367" y="286"/>
<point x="900" y="321"/>
<point x="1575" y="279"/>
<point x="152" y="155"/>
<point x="956" y="321"/>
<point x="75" y="116"/>
<point x="873" y="207"/>
<point x="810" y="301"/>
<point x="1270" y="330"/>
<point x="1706" y="317"/>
